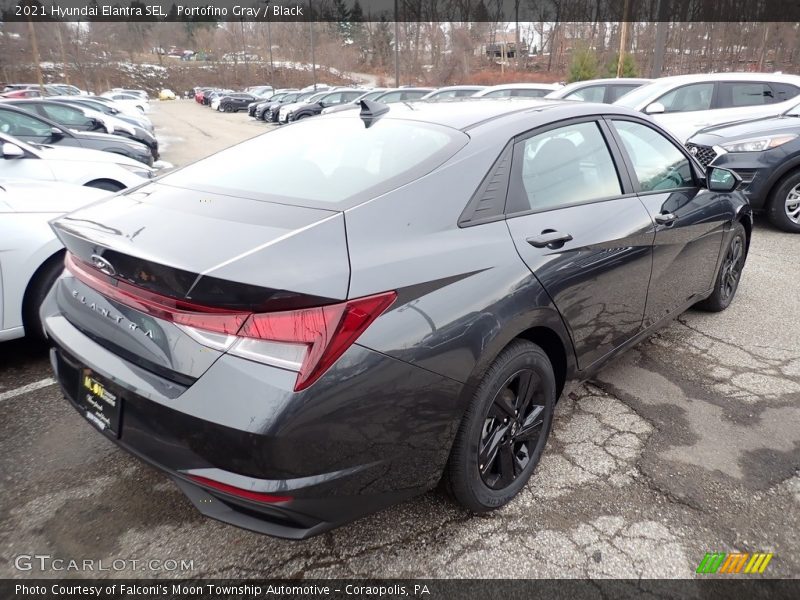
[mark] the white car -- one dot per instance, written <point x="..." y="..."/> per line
<point x="32" y="257"/>
<point x="142" y="104"/>
<point x="606" y="91"/>
<point x="527" y="90"/>
<point x="684" y="104"/>
<point x="79" y="166"/>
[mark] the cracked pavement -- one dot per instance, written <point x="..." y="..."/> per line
<point x="687" y="444"/>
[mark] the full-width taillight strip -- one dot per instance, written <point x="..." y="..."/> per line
<point x="307" y="340"/>
<point x="157" y="305"/>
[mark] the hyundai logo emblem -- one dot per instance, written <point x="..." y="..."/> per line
<point x="104" y="266"/>
<point x="693" y="150"/>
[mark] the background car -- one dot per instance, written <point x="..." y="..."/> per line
<point x="79" y="118"/>
<point x="269" y="111"/>
<point x="684" y="104"/>
<point x="166" y="94"/>
<point x="32" y="257"/>
<point x="765" y="153"/>
<point x="402" y="95"/>
<point x="527" y="90"/>
<point x="452" y="91"/>
<point x="138" y="101"/>
<point x="34" y="129"/>
<point x="235" y="102"/>
<point x="428" y="337"/>
<point x="335" y="98"/>
<point x="253" y="106"/>
<point x="32" y="91"/>
<point x="107" y="108"/>
<point x="79" y="166"/>
<point x="286" y="110"/>
<point x="606" y="91"/>
<point x="368" y="95"/>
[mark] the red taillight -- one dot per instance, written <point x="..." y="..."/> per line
<point x="170" y="309"/>
<point x="241" y="493"/>
<point x="307" y="341"/>
<point x="327" y="331"/>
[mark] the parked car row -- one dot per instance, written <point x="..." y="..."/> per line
<point x="58" y="152"/>
<point x="747" y="122"/>
<point x="68" y="119"/>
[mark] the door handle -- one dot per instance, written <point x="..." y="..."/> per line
<point x="549" y="239"/>
<point x="665" y="219"/>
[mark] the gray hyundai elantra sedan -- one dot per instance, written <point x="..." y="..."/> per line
<point x="396" y="297"/>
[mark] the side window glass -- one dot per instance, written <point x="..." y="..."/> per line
<point x="563" y="166"/>
<point x="22" y="125"/>
<point x="618" y="91"/>
<point x="784" y="91"/>
<point x="658" y="164"/>
<point x="688" y="98"/>
<point x="65" y="115"/>
<point x="593" y="93"/>
<point x="498" y="94"/>
<point x="530" y="93"/>
<point x="392" y="97"/>
<point x="744" y="93"/>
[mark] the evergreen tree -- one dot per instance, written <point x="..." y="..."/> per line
<point x="628" y="66"/>
<point x="583" y="65"/>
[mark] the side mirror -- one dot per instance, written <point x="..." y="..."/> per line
<point x="12" y="151"/>
<point x="56" y="133"/>
<point x="721" y="180"/>
<point x="656" y="108"/>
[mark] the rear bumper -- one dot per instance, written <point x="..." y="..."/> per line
<point x="373" y="431"/>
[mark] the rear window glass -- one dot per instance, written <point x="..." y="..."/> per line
<point x="325" y="163"/>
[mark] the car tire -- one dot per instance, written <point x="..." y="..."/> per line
<point x="503" y="432"/>
<point x="302" y="116"/>
<point x="37" y="291"/>
<point x="783" y="209"/>
<point x="729" y="274"/>
<point x="105" y="184"/>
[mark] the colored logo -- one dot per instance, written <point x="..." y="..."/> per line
<point x="734" y="562"/>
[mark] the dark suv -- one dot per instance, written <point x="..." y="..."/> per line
<point x="235" y="102"/>
<point x="333" y="99"/>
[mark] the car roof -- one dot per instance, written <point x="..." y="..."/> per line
<point x="733" y="76"/>
<point x="587" y="82"/>
<point x="523" y="86"/>
<point x="472" y="113"/>
<point x="460" y="87"/>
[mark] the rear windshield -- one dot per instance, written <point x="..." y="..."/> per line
<point x="324" y="162"/>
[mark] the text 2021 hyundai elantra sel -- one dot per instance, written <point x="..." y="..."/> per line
<point x="398" y="296"/>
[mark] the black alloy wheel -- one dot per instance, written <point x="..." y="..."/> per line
<point x="504" y="430"/>
<point x="511" y="430"/>
<point x="730" y="272"/>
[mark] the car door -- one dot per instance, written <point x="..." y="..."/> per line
<point x="68" y="116"/>
<point x="689" y="219"/>
<point x="26" y="167"/>
<point x="25" y="127"/>
<point x="686" y="108"/>
<point x="741" y="100"/>
<point x="581" y="230"/>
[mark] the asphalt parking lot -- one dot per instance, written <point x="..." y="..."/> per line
<point x="688" y="444"/>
